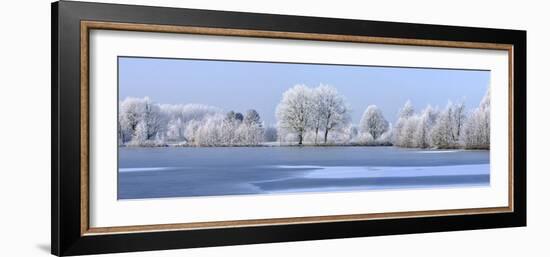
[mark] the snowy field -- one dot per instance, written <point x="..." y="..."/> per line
<point x="218" y="171"/>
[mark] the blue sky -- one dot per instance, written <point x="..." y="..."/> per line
<point x="240" y="86"/>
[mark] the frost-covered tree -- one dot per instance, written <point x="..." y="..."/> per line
<point x="331" y="108"/>
<point x="409" y="132"/>
<point x="250" y="134"/>
<point x="407" y="110"/>
<point x="225" y="130"/>
<point x="140" y="135"/>
<point x="345" y="134"/>
<point x="294" y="110"/>
<point x="239" y="116"/>
<point x="398" y="131"/>
<point x="130" y="111"/>
<point x="270" y="134"/>
<point x="414" y="130"/>
<point x="229" y="126"/>
<point x="140" y="120"/>
<point x="175" y="129"/>
<point x="179" y="116"/>
<point x="459" y="118"/>
<point x="286" y="135"/>
<point x="230" y="116"/>
<point x="348" y="134"/>
<point x="425" y="124"/>
<point x="234" y="116"/>
<point x="316" y="115"/>
<point x="252" y="117"/>
<point x="449" y="125"/>
<point x="190" y="132"/>
<point x="187" y="112"/>
<point x="152" y="119"/>
<point x="442" y="135"/>
<point x="304" y="111"/>
<point x="387" y="137"/>
<point x="251" y="131"/>
<point x="477" y="130"/>
<point x="373" y="122"/>
<point x="209" y="133"/>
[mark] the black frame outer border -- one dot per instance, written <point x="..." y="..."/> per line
<point x="65" y="166"/>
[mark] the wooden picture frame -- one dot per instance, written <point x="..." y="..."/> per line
<point x="71" y="25"/>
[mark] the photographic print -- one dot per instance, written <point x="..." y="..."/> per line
<point x="181" y="128"/>
<point x="197" y="127"/>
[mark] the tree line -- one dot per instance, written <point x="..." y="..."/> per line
<point x="304" y="111"/>
<point x="144" y="123"/>
<point x="451" y="127"/>
<point x="305" y="115"/>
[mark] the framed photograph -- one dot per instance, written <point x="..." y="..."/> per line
<point x="178" y="128"/>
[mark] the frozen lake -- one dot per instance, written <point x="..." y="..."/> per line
<point x="214" y="171"/>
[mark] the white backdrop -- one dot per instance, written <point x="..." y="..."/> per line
<point x="25" y="128"/>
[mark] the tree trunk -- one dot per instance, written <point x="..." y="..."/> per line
<point x="316" y="132"/>
<point x="300" y="139"/>
<point x="327" y="127"/>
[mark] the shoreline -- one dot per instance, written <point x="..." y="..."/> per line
<point x="301" y="146"/>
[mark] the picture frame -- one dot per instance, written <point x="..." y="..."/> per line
<point x="71" y="128"/>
